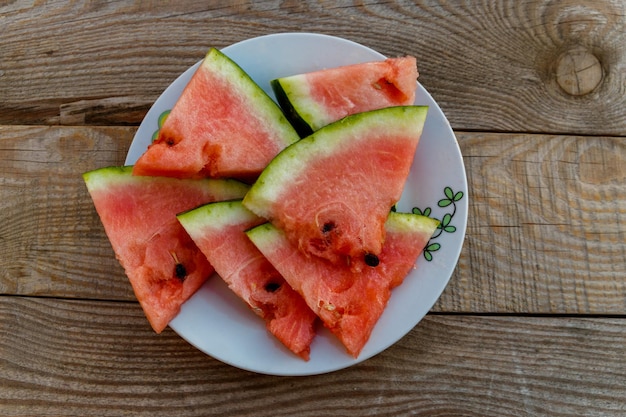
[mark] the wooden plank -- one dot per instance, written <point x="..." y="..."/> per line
<point x="93" y="358"/>
<point x="51" y="241"/>
<point x="546" y="227"/>
<point x="534" y="66"/>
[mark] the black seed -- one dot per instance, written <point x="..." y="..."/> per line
<point x="180" y="271"/>
<point x="328" y="226"/>
<point x="371" y="259"/>
<point x="272" y="286"/>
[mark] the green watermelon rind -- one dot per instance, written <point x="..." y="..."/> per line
<point x="349" y="132"/>
<point x="251" y="92"/>
<point x="265" y="234"/>
<point x="102" y="178"/>
<point x="215" y="216"/>
<point x="402" y="222"/>
<point x="300" y="116"/>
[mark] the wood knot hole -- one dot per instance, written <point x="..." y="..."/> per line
<point x="578" y="72"/>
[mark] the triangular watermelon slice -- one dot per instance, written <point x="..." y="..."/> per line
<point x="223" y="125"/>
<point x="331" y="191"/>
<point x="316" y="99"/>
<point x="163" y="264"/>
<point x="349" y="303"/>
<point x="218" y="229"/>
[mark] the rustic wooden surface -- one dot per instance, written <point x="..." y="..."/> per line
<point x="533" y="321"/>
<point x="71" y="357"/>
<point x="492" y="65"/>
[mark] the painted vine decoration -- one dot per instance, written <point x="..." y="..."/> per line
<point x="445" y="225"/>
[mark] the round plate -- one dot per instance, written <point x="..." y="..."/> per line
<point x="216" y="322"/>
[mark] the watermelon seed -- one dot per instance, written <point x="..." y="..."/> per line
<point x="371" y="259"/>
<point x="169" y="141"/>
<point x="179" y="269"/>
<point x="328" y="226"/>
<point x="272" y="286"/>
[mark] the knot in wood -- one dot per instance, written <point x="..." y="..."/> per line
<point x="578" y="72"/>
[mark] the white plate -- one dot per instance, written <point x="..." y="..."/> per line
<point x="218" y="323"/>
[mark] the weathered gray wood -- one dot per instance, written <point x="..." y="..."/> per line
<point x="51" y="241"/>
<point x="546" y="227"/>
<point x="533" y="66"/>
<point x="94" y="358"/>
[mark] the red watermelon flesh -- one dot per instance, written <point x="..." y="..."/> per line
<point x="163" y="264"/>
<point x="331" y="191"/>
<point x="223" y="125"/>
<point x="349" y="303"/>
<point x="316" y="99"/>
<point x="218" y="230"/>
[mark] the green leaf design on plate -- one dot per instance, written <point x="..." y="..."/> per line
<point x="426" y="211"/>
<point x="445" y="225"/>
<point x="432" y="247"/>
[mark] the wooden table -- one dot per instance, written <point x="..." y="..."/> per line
<point x="533" y="321"/>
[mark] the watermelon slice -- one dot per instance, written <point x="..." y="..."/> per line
<point x="318" y="98"/>
<point x="331" y="191"/>
<point x="223" y="125"/>
<point x="163" y="264"/>
<point x="218" y="230"/>
<point x="349" y="303"/>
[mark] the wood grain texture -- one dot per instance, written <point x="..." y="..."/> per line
<point x="50" y="241"/>
<point x="546" y="227"/>
<point x="492" y="65"/>
<point x="94" y="358"/>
